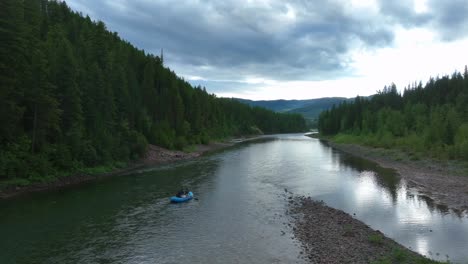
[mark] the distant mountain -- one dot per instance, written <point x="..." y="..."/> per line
<point x="287" y="105"/>
<point x="309" y="109"/>
<point x="312" y="110"/>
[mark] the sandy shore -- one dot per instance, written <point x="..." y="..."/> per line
<point x="332" y="236"/>
<point x="443" y="184"/>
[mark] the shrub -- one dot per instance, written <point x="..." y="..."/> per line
<point x="461" y="141"/>
<point x="89" y="154"/>
<point x="14" y="159"/>
<point x="180" y="143"/>
<point x="138" y="144"/>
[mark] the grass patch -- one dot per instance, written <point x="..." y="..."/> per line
<point x="120" y="164"/>
<point x="414" y="156"/>
<point x="15" y="182"/>
<point x="348" y="230"/>
<point x="347" y="139"/>
<point x="404" y="257"/>
<point x="97" y="170"/>
<point x="376" y="239"/>
<point x="23" y="182"/>
<point x="189" y="148"/>
<point x="53" y="176"/>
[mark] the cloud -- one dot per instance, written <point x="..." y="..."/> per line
<point x="224" y="44"/>
<point x="270" y="39"/>
<point x="447" y="19"/>
<point x="450" y="18"/>
<point x="403" y="12"/>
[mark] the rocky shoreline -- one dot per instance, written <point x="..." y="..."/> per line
<point x="441" y="183"/>
<point x="331" y="236"/>
<point x="155" y="156"/>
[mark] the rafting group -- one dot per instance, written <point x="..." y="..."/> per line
<point x="182" y="196"/>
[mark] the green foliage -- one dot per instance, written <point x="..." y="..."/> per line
<point x="189" y="148"/>
<point x="429" y="119"/>
<point x="162" y="135"/>
<point x="376" y="239"/>
<point x="461" y="141"/>
<point x="100" y="169"/>
<point x="402" y="256"/>
<point x="13" y="157"/>
<point x="180" y="143"/>
<point x="88" y="154"/>
<point x="138" y="144"/>
<point x="15" y="182"/>
<point x="74" y="95"/>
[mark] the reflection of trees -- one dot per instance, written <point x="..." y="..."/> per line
<point x="432" y="205"/>
<point x="99" y="221"/>
<point x="386" y="178"/>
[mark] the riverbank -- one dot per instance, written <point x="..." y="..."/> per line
<point x="436" y="180"/>
<point x="158" y="155"/>
<point x="442" y="182"/>
<point x="330" y="236"/>
<point x="155" y="156"/>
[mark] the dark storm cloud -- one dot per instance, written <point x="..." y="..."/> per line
<point x="448" y="19"/>
<point x="451" y="18"/>
<point x="402" y="12"/>
<point x="279" y="40"/>
<point x="262" y="40"/>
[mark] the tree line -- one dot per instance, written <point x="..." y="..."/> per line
<point x="74" y="95"/>
<point x="432" y="118"/>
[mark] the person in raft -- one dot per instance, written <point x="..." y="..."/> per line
<point x="182" y="193"/>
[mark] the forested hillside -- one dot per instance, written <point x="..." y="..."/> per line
<point x="280" y="105"/>
<point x="312" y="109"/>
<point x="432" y="119"/>
<point x="75" y="95"/>
<point x="309" y="108"/>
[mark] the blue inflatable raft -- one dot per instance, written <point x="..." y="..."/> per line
<point x="175" y="199"/>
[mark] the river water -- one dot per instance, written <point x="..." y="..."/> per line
<point x="239" y="215"/>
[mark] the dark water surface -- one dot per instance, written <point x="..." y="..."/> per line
<point x="239" y="216"/>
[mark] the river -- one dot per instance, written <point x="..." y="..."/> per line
<point x="239" y="216"/>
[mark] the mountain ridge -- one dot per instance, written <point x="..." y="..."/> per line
<point x="308" y="108"/>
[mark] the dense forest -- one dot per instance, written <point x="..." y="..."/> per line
<point x="75" y="95"/>
<point x="432" y="119"/>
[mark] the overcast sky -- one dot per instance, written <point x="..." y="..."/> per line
<point x="275" y="49"/>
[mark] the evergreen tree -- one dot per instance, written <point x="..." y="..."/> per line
<point x="430" y="118"/>
<point x="12" y="63"/>
<point x="74" y="94"/>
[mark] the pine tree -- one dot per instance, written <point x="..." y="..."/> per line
<point x="12" y="63"/>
